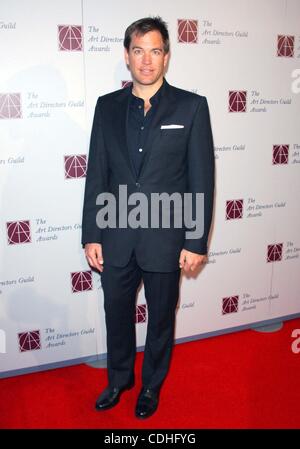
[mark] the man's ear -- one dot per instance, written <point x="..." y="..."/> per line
<point x="166" y="59"/>
<point x="126" y="56"/>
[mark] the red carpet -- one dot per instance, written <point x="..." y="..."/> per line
<point x="242" y="380"/>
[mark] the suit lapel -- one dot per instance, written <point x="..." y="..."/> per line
<point x="121" y="117"/>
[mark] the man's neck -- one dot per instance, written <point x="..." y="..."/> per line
<point x="146" y="92"/>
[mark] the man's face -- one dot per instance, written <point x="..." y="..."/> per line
<point x="146" y="58"/>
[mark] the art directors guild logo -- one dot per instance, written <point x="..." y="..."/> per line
<point x="18" y="232"/>
<point x="22" y="231"/>
<point x="285" y="46"/>
<point x="70" y="37"/>
<point x="245" y="302"/>
<point x="251" y="207"/>
<point x="280" y="154"/>
<point x="187" y="31"/>
<point x="29" y="341"/>
<point x="234" y="209"/>
<point x="141" y="313"/>
<point x="230" y="304"/>
<point x="10" y="106"/>
<point x="75" y="166"/>
<point x="237" y="100"/>
<point x="81" y="281"/>
<point x="274" y="252"/>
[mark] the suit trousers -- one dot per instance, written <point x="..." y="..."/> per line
<point x="120" y="285"/>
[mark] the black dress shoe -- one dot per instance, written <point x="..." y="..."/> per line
<point x="147" y="403"/>
<point x="111" y="396"/>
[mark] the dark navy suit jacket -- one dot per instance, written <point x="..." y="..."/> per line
<point x="175" y="160"/>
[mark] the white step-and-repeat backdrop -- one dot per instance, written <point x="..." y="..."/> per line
<point x="56" y="58"/>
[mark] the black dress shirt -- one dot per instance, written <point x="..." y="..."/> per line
<point x="138" y="126"/>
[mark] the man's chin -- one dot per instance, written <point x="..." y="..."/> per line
<point x="146" y="81"/>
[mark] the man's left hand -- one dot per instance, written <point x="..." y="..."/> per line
<point x="189" y="261"/>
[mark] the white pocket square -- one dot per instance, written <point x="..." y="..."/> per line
<point x="171" y="126"/>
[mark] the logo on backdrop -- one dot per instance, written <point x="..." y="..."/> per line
<point x="10" y="106"/>
<point x="234" y="209"/>
<point x="237" y="100"/>
<point x="274" y="252"/>
<point x="285" y="46"/>
<point x="230" y="304"/>
<point x="75" y="166"/>
<point x="141" y="313"/>
<point x="187" y="31"/>
<point x="280" y="154"/>
<point x="70" y="37"/>
<point x="81" y="281"/>
<point x="29" y="341"/>
<point x="18" y="232"/>
<point x="126" y="83"/>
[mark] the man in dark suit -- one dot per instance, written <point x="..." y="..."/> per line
<point x="151" y="138"/>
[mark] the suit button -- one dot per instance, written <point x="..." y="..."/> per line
<point x="138" y="184"/>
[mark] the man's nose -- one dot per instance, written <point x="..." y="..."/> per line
<point x="147" y="58"/>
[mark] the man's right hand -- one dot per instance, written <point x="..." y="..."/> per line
<point x="93" y="253"/>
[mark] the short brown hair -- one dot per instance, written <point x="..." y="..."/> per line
<point x="143" y="26"/>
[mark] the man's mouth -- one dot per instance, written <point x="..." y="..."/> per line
<point x="146" y="71"/>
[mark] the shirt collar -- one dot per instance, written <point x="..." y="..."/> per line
<point x="154" y="100"/>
